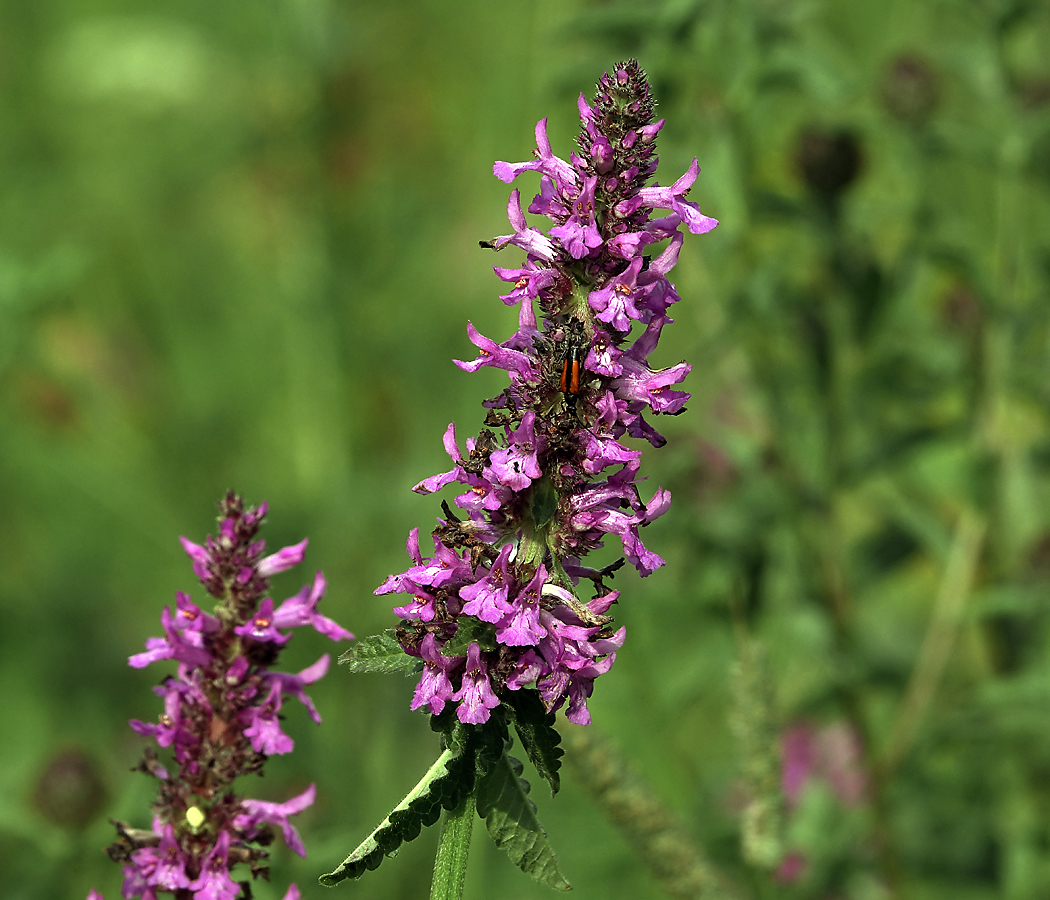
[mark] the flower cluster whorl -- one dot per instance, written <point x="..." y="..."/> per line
<point x="508" y="570"/>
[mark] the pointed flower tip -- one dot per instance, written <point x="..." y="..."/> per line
<point x="504" y="171"/>
<point x="194" y="551"/>
<point x="283" y="559"/>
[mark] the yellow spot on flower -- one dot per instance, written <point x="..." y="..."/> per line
<point x="194" y="817"/>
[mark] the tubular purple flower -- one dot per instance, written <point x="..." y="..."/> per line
<point x="547" y="163"/>
<point x="214" y="882"/>
<point x="518" y="465"/>
<point x="171" y="729"/>
<point x="529" y="282"/>
<point x="255" y="812"/>
<point x="579" y="235"/>
<point x="261" y="626"/>
<point x="301" y="609"/>
<point x="533" y="242"/>
<point x="175" y="645"/>
<point x="189" y="617"/>
<point x="639" y="382"/>
<point x="673" y="198"/>
<point x="293" y="684"/>
<point x="422" y="607"/>
<point x="436" y="482"/>
<point x="435" y="687"/>
<point x="163" y="866"/>
<point x="497" y="355"/>
<point x="476" y="694"/>
<point x="615" y="302"/>
<point x="487" y="599"/>
<point x="521" y="626"/>
<point x="263" y="727"/>
<point x="283" y="559"/>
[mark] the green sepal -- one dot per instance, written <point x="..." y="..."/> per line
<point x="544" y="501"/>
<point x="470" y="631"/>
<point x="541" y="740"/>
<point x="379" y="653"/>
<point x="510" y="817"/>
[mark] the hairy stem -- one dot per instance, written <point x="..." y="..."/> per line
<point x="450" y="863"/>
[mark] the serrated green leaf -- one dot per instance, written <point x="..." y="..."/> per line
<point x="490" y="742"/>
<point x="539" y="737"/>
<point x="447" y="781"/>
<point x="378" y="653"/>
<point x="510" y="817"/>
<point x="470" y="631"/>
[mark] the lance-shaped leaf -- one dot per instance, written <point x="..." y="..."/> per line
<point x="443" y="786"/>
<point x="379" y="653"/>
<point x="539" y="737"/>
<point x="510" y="817"/>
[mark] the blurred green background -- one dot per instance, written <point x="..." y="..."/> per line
<point x="238" y="248"/>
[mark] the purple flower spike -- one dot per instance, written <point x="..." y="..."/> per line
<point x="221" y="716"/>
<point x="556" y="470"/>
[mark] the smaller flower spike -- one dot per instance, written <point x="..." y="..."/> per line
<point x="221" y="717"/>
<point x="553" y="474"/>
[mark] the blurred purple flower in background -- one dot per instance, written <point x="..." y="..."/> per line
<point x="221" y="719"/>
<point x="832" y="754"/>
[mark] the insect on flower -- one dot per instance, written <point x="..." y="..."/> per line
<point x="570" y="372"/>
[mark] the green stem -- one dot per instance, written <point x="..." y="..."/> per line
<point x="450" y="864"/>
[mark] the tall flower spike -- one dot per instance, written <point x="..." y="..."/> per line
<point x="220" y="718"/>
<point x="580" y="384"/>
